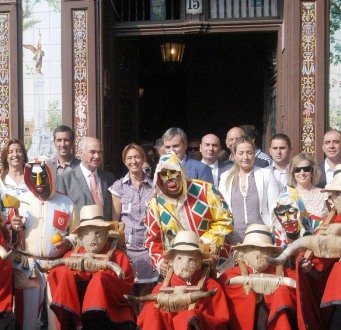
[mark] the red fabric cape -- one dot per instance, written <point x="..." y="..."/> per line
<point x="104" y="292"/>
<point x="212" y="313"/>
<point x="6" y="296"/>
<point x="242" y="307"/>
<point x="314" y="293"/>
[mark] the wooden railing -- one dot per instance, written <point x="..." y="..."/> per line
<point x="170" y="10"/>
<point x="245" y="9"/>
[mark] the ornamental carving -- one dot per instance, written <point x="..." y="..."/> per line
<point x="308" y="75"/>
<point x="4" y="79"/>
<point x="80" y="78"/>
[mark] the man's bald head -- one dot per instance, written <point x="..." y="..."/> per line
<point x="210" y="148"/>
<point x="232" y="135"/>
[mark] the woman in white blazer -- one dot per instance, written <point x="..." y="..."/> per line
<point x="251" y="192"/>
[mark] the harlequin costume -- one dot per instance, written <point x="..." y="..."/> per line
<point x="76" y="294"/>
<point x="200" y="208"/>
<point x="42" y="219"/>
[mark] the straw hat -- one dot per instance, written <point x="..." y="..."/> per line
<point x="185" y="240"/>
<point x="258" y="236"/>
<point x="92" y="215"/>
<point x="335" y="185"/>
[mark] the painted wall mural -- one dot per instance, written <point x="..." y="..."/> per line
<point x="42" y="94"/>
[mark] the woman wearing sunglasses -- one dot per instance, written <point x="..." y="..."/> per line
<point x="130" y="196"/>
<point x="303" y="175"/>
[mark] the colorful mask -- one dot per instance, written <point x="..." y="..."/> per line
<point x="288" y="215"/>
<point x="169" y="177"/>
<point x="40" y="181"/>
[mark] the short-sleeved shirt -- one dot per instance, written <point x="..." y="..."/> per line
<point x="133" y="212"/>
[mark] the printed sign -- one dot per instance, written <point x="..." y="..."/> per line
<point x="193" y="7"/>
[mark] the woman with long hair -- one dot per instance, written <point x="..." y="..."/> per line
<point x="130" y="196"/>
<point x="250" y="191"/>
<point x="13" y="160"/>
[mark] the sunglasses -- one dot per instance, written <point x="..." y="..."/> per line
<point x="305" y="169"/>
<point x="147" y="170"/>
<point x="193" y="148"/>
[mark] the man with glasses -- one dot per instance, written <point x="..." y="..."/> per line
<point x="193" y="149"/>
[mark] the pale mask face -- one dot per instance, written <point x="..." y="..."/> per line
<point x="255" y="257"/>
<point x="186" y="263"/>
<point x="93" y="238"/>
<point x="288" y="215"/>
<point x="170" y="182"/>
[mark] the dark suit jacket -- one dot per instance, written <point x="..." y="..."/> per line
<point x="323" y="180"/>
<point x="197" y="170"/>
<point x="73" y="184"/>
<point x="223" y="167"/>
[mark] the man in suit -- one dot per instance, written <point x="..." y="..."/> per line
<point x="331" y="149"/>
<point x="210" y="148"/>
<point x="175" y="140"/>
<point x="63" y="159"/>
<point x="87" y="184"/>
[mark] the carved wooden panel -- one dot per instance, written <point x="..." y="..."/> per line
<point x="308" y="75"/>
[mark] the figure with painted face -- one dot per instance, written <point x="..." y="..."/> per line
<point x="88" y="284"/>
<point x="189" y="298"/>
<point x="319" y="272"/>
<point x="44" y="214"/>
<point x="290" y="219"/>
<point x="259" y="296"/>
<point x="181" y="204"/>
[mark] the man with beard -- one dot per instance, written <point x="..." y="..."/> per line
<point x="44" y="213"/>
<point x="180" y="204"/>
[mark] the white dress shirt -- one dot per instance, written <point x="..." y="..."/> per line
<point x="215" y="171"/>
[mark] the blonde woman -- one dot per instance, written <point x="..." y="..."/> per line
<point x="303" y="175"/>
<point x="250" y="191"/>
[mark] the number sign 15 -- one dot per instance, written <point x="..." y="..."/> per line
<point x="193" y="7"/>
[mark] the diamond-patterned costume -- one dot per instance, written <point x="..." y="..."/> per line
<point x="200" y="208"/>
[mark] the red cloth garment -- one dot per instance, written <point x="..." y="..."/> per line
<point x="211" y="313"/>
<point x="104" y="292"/>
<point x="242" y="307"/>
<point x="314" y="293"/>
<point x="6" y="296"/>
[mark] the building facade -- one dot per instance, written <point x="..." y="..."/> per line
<point x="245" y="61"/>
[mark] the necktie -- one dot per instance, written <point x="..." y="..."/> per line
<point x="94" y="188"/>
